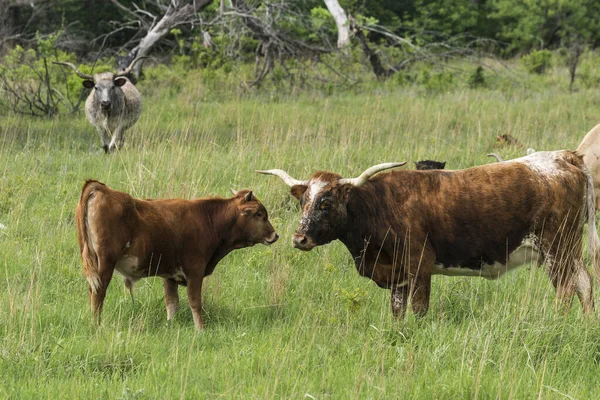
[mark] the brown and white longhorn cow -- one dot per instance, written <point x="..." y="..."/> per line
<point x="178" y="240"/>
<point x="402" y="227"/>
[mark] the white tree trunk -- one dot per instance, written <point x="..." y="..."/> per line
<point x="341" y="20"/>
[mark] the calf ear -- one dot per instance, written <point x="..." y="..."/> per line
<point x="248" y="196"/>
<point x="120" y="81"/>
<point x="298" y="190"/>
<point x="88" y="84"/>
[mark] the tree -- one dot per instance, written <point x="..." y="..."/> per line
<point x="341" y="20"/>
<point x="177" y="12"/>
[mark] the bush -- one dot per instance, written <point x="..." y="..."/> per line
<point x="31" y="84"/>
<point x="538" y="61"/>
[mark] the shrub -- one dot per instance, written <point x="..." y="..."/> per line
<point x="538" y="61"/>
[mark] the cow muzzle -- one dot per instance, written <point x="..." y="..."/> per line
<point x="302" y="242"/>
<point x="272" y="239"/>
<point x="105" y="105"/>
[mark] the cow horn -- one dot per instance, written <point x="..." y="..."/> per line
<point x="284" y="176"/>
<point x="78" y="72"/>
<point x="364" y="177"/>
<point x="496" y="156"/>
<point x="130" y="67"/>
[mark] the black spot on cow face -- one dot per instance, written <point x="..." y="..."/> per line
<point x="324" y="212"/>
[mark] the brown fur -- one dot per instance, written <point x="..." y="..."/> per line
<point x="179" y="240"/>
<point x="402" y="224"/>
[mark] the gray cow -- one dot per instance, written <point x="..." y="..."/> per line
<point x="113" y="105"/>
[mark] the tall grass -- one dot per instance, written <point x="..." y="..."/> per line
<point x="279" y="322"/>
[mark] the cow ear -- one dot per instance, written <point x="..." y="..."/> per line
<point x="88" y="84"/>
<point x="298" y="190"/>
<point x="248" y="196"/>
<point x="120" y="81"/>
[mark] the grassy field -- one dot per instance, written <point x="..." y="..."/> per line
<point x="280" y="323"/>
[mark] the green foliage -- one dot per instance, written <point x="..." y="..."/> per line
<point x="435" y="81"/>
<point x="546" y="23"/>
<point x="538" y="61"/>
<point x="477" y="78"/>
<point x="31" y="84"/>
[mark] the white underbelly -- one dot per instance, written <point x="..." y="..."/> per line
<point x="524" y="254"/>
<point x="129" y="267"/>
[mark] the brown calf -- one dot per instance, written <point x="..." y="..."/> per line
<point x="178" y="240"/>
<point x="402" y="227"/>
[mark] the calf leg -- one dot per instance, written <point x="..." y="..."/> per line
<point x="171" y="297"/>
<point x="421" y="291"/>
<point x="194" y="291"/>
<point x="105" y="272"/>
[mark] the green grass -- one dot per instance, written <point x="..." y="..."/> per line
<point x="279" y="323"/>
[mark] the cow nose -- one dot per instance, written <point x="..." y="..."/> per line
<point x="299" y="241"/>
<point x="105" y="104"/>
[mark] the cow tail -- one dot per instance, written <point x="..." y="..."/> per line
<point x="88" y="252"/>
<point x="590" y="206"/>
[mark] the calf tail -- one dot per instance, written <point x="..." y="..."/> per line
<point x="590" y="206"/>
<point x="86" y="244"/>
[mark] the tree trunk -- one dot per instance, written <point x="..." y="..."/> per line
<point x="341" y="20"/>
<point x="372" y="56"/>
<point x="176" y="14"/>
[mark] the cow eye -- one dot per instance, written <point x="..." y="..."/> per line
<point x="259" y="214"/>
<point x="324" y="205"/>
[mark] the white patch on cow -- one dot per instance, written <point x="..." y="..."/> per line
<point x="91" y="217"/>
<point x="524" y="254"/>
<point x="127" y="245"/>
<point x="128" y="266"/>
<point x="94" y="282"/>
<point x="179" y="275"/>
<point x="314" y="189"/>
<point x="543" y="162"/>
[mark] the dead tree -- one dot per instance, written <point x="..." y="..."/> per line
<point x="177" y="12"/>
<point x="341" y="20"/>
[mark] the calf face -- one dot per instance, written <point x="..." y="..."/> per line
<point x="253" y="223"/>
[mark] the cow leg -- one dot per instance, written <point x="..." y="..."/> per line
<point x="171" y="297"/>
<point x="105" y="136"/>
<point x="583" y="287"/>
<point x="562" y="279"/>
<point x="129" y="285"/>
<point x="105" y="272"/>
<point x="117" y="139"/>
<point x="421" y="291"/>
<point x="194" y="291"/>
<point x="399" y="300"/>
